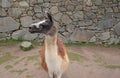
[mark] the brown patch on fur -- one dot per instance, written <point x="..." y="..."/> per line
<point x="61" y="48"/>
<point x="42" y="55"/>
<point x="62" y="51"/>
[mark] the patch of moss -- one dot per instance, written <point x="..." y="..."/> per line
<point x="75" y="57"/>
<point x="7" y="57"/>
<point x="8" y="67"/>
<point x="20" y="71"/>
<point x="26" y="48"/>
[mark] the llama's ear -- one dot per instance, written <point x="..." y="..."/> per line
<point x="49" y="17"/>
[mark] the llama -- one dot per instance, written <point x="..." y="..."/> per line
<point x="54" y="58"/>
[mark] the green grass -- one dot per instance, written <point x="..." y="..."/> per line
<point x="8" y="67"/>
<point x="20" y="71"/>
<point x="112" y="66"/>
<point x="13" y="42"/>
<point x="80" y="44"/>
<point x="91" y="44"/>
<point x="33" y="58"/>
<point x="18" y="61"/>
<point x="98" y="59"/>
<point x="29" y="76"/>
<point x="9" y="42"/>
<point x="75" y="57"/>
<point x="7" y="57"/>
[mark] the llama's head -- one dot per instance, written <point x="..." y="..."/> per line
<point x="42" y="26"/>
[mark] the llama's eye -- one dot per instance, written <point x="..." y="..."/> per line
<point x="40" y="26"/>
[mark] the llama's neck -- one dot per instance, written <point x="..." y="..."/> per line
<point x="50" y="40"/>
<point x="51" y="44"/>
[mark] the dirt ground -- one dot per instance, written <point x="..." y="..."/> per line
<point x="97" y="62"/>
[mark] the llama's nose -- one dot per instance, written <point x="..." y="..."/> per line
<point x="30" y="27"/>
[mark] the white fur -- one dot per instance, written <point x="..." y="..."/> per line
<point x="53" y="60"/>
<point x="37" y="24"/>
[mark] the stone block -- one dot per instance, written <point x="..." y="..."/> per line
<point x="78" y="15"/>
<point x="90" y="15"/>
<point x="40" y="1"/>
<point x="105" y="24"/>
<point x="6" y="3"/>
<point x="26" y="21"/>
<point x="88" y="2"/>
<point x="23" y="4"/>
<point x="8" y="24"/>
<point x="57" y="16"/>
<point x="15" y="12"/>
<point x="98" y="2"/>
<point x="81" y="36"/>
<point x="26" y="45"/>
<point x="62" y="9"/>
<point x="3" y="35"/>
<point x="114" y="41"/>
<point x="32" y="2"/>
<point x="2" y="12"/>
<point x="18" y="34"/>
<point x="55" y="0"/>
<point x="54" y="10"/>
<point x="70" y="28"/>
<point x="29" y="36"/>
<point x="24" y="35"/>
<point x="66" y="19"/>
<point x="37" y="8"/>
<point x="117" y="29"/>
<point x="104" y="36"/>
<point x="70" y="8"/>
<point x="93" y="39"/>
<point x="79" y="7"/>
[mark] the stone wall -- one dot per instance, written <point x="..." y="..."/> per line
<point x="78" y="20"/>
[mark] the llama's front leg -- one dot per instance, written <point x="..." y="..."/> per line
<point x="55" y="75"/>
<point x="59" y="75"/>
<point x="50" y="75"/>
